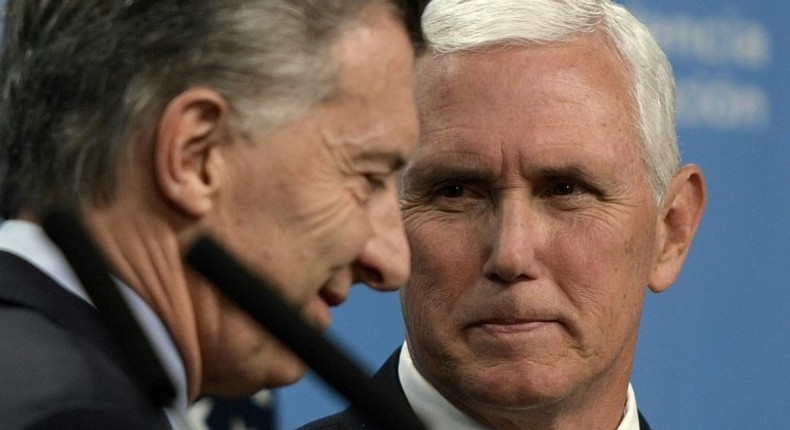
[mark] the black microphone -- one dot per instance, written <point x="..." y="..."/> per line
<point x="69" y="235"/>
<point x="252" y="294"/>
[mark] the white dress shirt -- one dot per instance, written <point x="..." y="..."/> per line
<point x="439" y="414"/>
<point x="28" y="241"/>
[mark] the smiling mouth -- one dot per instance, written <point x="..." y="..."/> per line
<point x="329" y="296"/>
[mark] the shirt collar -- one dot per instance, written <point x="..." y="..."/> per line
<point x="28" y="241"/>
<point x="439" y="414"/>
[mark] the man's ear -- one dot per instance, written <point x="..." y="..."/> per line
<point x="682" y="212"/>
<point x="187" y="160"/>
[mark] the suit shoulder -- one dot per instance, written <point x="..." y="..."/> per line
<point x="47" y="369"/>
<point x="37" y="351"/>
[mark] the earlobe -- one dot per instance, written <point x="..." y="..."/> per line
<point x="681" y="216"/>
<point x="187" y="160"/>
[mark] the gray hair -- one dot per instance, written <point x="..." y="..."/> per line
<point x="84" y="81"/>
<point x="455" y="26"/>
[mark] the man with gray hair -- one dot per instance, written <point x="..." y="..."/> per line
<point x="277" y="126"/>
<point x="545" y="198"/>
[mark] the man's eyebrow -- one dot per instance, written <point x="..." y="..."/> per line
<point x="394" y="160"/>
<point x="571" y="172"/>
<point x="435" y="173"/>
<point x="579" y="174"/>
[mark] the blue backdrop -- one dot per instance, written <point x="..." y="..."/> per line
<point x="714" y="350"/>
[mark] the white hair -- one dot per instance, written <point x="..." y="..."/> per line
<point x="457" y="26"/>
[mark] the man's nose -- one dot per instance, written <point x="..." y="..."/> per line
<point x="384" y="263"/>
<point x="514" y="235"/>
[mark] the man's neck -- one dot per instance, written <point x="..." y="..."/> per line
<point x="440" y="414"/>
<point x="145" y="254"/>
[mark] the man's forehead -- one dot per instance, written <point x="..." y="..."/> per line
<point x="494" y="158"/>
<point x="502" y="63"/>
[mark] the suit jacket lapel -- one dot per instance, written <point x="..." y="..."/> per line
<point x="388" y="375"/>
<point x="22" y="284"/>
<point x="643" y="425"/>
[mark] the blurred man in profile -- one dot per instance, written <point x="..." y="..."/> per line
<point x="275" y="125"/>
<point x="545" y="198"/>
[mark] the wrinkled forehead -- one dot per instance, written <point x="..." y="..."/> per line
<point x="436" y="73"/>
<point x="572" y="95"/>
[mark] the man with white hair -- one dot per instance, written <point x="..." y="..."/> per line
<point x="545" y="198"/>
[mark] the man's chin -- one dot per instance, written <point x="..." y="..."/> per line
<point x="285" y="370"/>
<point x="287" y="374"/>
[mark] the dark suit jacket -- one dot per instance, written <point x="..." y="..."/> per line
<point x="59" y="368"/>
<point x="387" y="375"/>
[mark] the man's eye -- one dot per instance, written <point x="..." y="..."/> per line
<point x="376" y="181"/>
<point x="451" y="191"/>
<point x="566" y="189"/>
